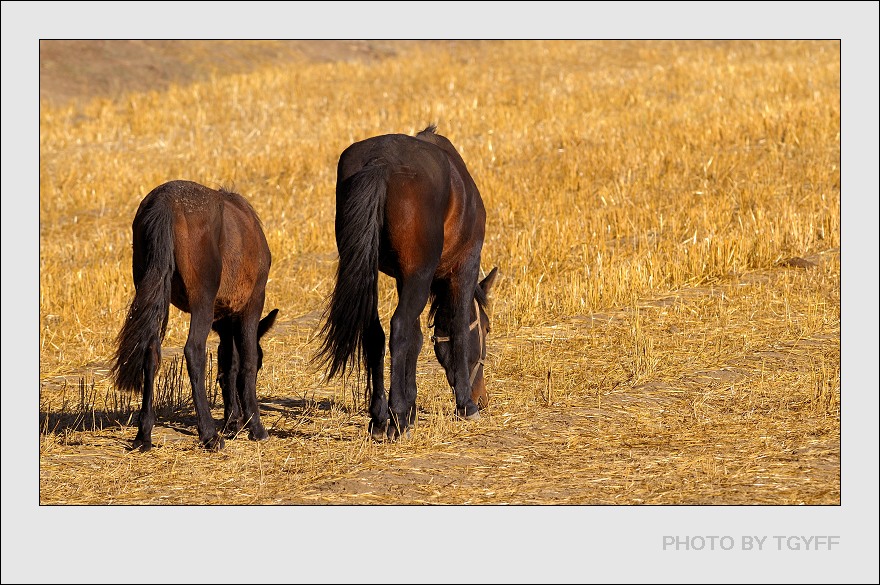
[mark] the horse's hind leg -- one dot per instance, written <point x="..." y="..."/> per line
<point x="405" y="345"/>
<point x="144" y="438"/>
<point x="375" y="347"/>
<point x="415" y="346"/>
<point x="246" y="342"/>
<point x="194" y="350"/>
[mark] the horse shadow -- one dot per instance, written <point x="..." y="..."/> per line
<point x="297" y="410"/>
<point x="181" y="419"/>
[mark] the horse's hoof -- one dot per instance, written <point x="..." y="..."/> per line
<point x="260" y="434"/>
<point x="469" y="412"/>
<point x="378" y="430"/>
<point x="215" y="443"/>
<point x="141" y="445"/>
<point x="395" y="434"/>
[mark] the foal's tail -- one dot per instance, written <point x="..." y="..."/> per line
<point x="147" y="317"/>
<point x="355" y="299"/>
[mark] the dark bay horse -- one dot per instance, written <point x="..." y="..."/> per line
<point x="408" y="206"/>
<point x="203" y="251"/>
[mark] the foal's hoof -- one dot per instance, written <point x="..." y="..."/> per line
<point x="259" y="434"/>
<point x="215" y="443"/>
<point x="231" y="429"/>
<point x="141" y="445"/>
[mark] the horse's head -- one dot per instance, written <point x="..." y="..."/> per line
<point x="264" y="326"/>
<point x="478" y="331"/>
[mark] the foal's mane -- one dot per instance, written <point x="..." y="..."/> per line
<point x="240" y="200"/>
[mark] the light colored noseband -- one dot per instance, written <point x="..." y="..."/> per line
<point x="476" y="323"/>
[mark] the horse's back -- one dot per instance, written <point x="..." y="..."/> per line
<point x="398" y="152"/>
<point x="456" y="162"/>
<point x="433" y="212"/>
<point x="464" y="222"/>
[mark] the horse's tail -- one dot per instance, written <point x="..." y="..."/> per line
<point x="355" y="299"/>
<point x="147" y="317"/>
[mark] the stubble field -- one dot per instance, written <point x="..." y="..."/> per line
<point x="665" y="217"/>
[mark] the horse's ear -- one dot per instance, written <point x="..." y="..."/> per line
<point x="266" y="323"/>
<point x="487" y="282"/>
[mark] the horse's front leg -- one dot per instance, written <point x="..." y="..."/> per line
<point x="463" y="301"/>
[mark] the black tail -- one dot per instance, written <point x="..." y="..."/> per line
<point x="147" y="315"/>
<point x="359" y="218"/>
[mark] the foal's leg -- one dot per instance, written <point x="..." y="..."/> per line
<point x="375" y="345"/>
<point x="227" y="364"/>
<point x="412" y="297"/>
<point x="152" y="357"/>
<point x="246" y="341"/>
<point x="194" y="350"/>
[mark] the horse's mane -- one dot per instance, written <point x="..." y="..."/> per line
<point x="441" y="298"/>
<point x="429" y="134"/>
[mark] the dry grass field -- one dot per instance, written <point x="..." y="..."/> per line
<point x="665" y="217"/>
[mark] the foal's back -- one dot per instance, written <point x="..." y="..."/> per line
<point x="220" y="249"/>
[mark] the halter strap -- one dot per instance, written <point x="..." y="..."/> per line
<point x="476" y="323"/>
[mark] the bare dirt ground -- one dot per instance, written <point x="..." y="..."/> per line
<point x="77" y="70"/>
